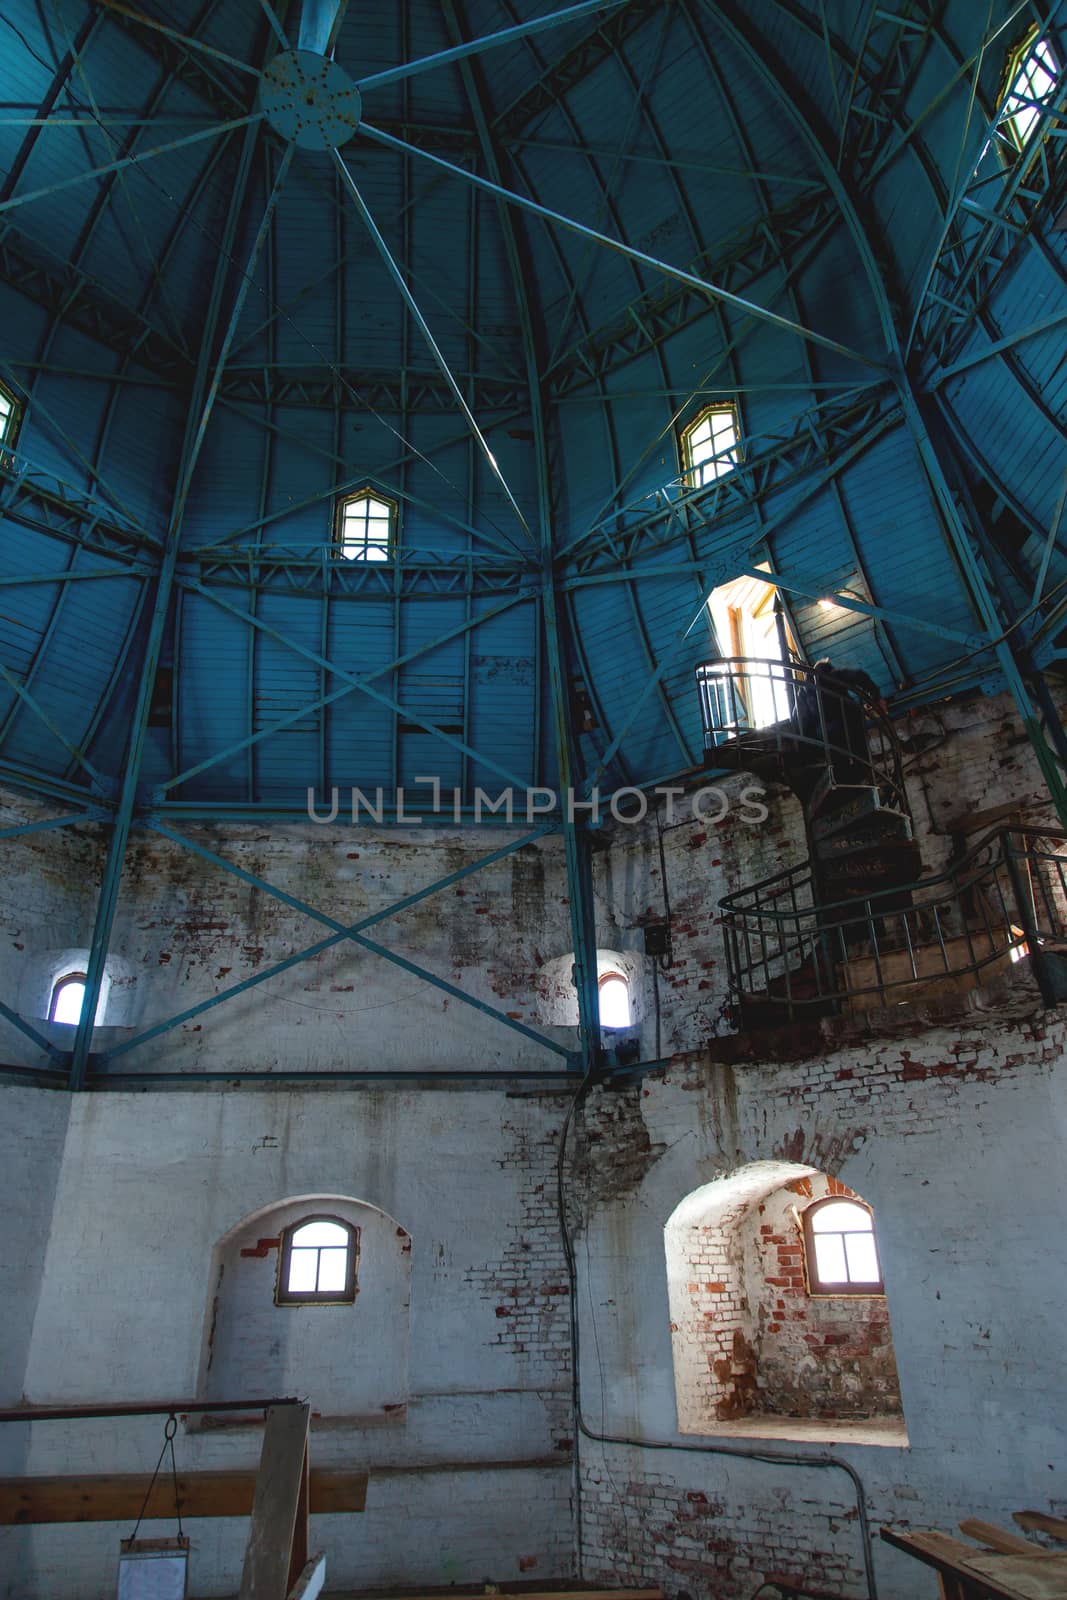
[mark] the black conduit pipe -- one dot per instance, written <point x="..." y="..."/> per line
<point x="773" y="1457"/>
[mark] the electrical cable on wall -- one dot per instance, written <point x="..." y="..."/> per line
<point x="769" y="1457"/>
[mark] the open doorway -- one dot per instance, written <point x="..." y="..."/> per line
<point x="755" y="643"/>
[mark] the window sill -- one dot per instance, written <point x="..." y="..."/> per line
<point x="883" y="1431"/>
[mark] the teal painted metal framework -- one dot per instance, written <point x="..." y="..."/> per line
<point x="635" y="544"/>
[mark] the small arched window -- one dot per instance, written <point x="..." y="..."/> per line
<point x="366" y="527"/>
<point x="711" y="445"/>
<point x="614" y="1001"/>
<point x="318" y="1263"/>
<point x="840" y="1251"/>
<point x="68" y="998"/>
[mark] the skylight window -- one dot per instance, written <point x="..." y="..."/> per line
<point x="1031" y="79"/>
<point x="366" y="527"/>
<point x="711" y="445"/>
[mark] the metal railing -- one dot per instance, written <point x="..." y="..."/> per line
<point x="1004" y="900"/>
<point x="799" y="714"/>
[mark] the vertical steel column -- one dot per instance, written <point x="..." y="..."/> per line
<point x="576" y="841"/>
<point x="205" y="387"/>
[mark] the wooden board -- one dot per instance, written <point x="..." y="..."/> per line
<point x="995" y="1538"/>
<point x="118" y="1497"/>
<point x="265" y="1575"/>
<point x="311" y="1582"/>
<point x="1040" y="1576"/>
<point x="1039" y="1522"/>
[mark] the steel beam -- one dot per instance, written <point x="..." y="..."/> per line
<point x="360" y="939"/>
<point x="576" y="843"/>
<point x="364" y="687"/>
<point x="211" y="363"/>
<point x="252" y="739"/>
<point x="310" y="952"/>
<point x="84" y="304"/>
<point x="424" y="328"/>
<point x="713" y="291"/>
<point x="489" y="41"/>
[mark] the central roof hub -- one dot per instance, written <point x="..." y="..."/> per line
<point x="310" y="101"/>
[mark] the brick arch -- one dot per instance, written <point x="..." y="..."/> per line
<point x="747" y="1338"/>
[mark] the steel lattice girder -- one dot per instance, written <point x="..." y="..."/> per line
<point x="387" y="389"/>
<point x="65" y="291"/>
<point x="38" y="499"/>
<point x="815" y="443"/>
<point x="572" y="68"/>
<point x="655" y="316"/>
<point x="317" y="570"/>
<point x="996" y="214"/>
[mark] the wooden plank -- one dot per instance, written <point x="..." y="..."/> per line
<point x="298" y="1558"/>
<point x="311" y="1581"/>
<point x="270" y="1539"/>
<point x="1040" y="1576"/>
<point x="1040" y="1522"/>
<point x="118" y="1497"/>
<point x="995" y="1538"/>
<point x="1014" y="1577"/>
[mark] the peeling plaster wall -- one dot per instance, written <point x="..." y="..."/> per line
<point x="190" y="930"/>
<point x="471" y="1478"/>
<point x="955" y="1138"/>
<point x="351" y="1359"/>
<point x="815" y="1355"/>
<point x="33" y="1126"/>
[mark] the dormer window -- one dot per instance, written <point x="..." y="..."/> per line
<point x="1030" y="80"/>
<point x="711" y="445"/>
<point x="366" y="527"/>
<point x="10" y="415"/>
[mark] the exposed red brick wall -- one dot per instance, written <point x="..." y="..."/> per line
<point x="817" y="1356"/>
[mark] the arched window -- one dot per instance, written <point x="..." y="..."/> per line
<point x="614" y="1001"/>
<point x="840" y="1251"/>
<point x="68" y="997"/>
<point x="711" y="445"/>
<point x="318" y="1263"/>
<point x="1029" y="82"/>
<point x="366" y="527"/>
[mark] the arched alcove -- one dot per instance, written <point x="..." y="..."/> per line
<point x="348" y="1354"/>
<point x="758" y="1345"/>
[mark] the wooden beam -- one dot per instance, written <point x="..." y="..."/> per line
<point x="994" y="1538"/>
<point x="298" y="1558"/>
<point x="265" y="1575"/>
<point x="311" y="1581"/>
<point x="1039" y="1522"/>
<point x="118" y="1497"/>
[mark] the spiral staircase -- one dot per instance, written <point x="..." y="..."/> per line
<point x="858" y="924"/>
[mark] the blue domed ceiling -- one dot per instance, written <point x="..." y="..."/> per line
<point x="213" y="335"/>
